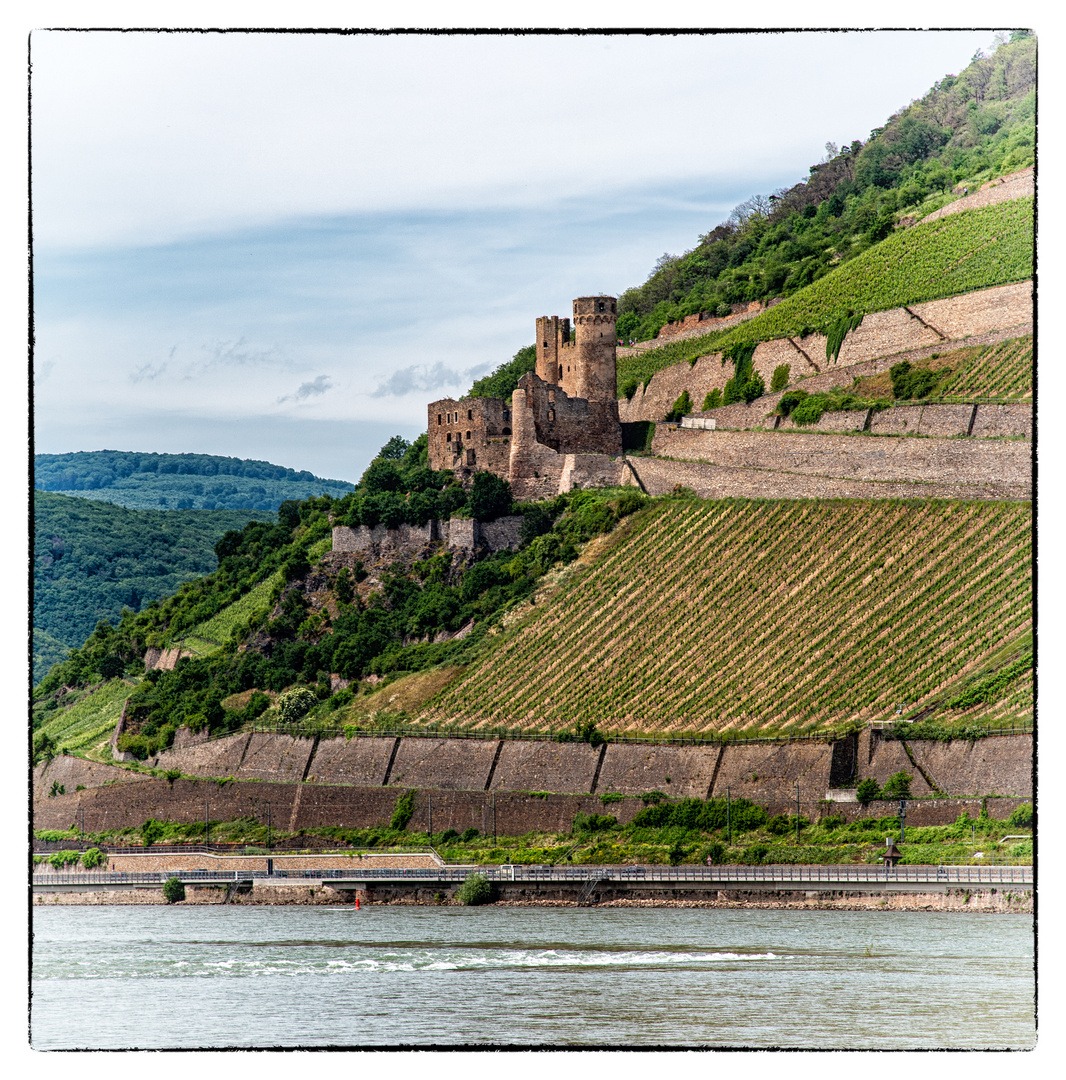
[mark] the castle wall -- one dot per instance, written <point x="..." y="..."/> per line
<point x="470" y="433"/>
<point x="464" y="533"/>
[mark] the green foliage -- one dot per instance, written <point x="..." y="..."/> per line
<point x="57" y="789"/>
<point x="681" y="407"/>
<point x="173" y="890"/>
<point x="652" y="798"/>
<point x="838" y="329"/>
<point x="1021" y="817"/>
<point x="490" y="497"/>
<point x="295" y="703"/>
<point x="93" y="560"/>
<point x="788" y="401"/>
<point x="591" y="823"/>
<point x="151" y="831"/>
<point x="611" y="797"/>
<point x="909" y="382"/>
<point x="712" y="400"/>
<point x="177" y="481"/>
<point x="93" y="858"/>
<point x="44" y="747"/>
<point x="897" y="786"/>
<point x="868" y="790"/>
<point x="60" y="860"/>
<point x="405" y="808"/>
<point x="475" y="890"/>
<point x="629" y="389"/>
<point x="992" y="687"/>
<point x="779" y="379"/>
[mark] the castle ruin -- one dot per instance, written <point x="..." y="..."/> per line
<point x="561" y="427"/>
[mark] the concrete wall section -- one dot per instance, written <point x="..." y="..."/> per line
<point x="444" y="763"/>
<point x="674" y="770"/>
<point x="352" y="761"/>
<point x="545" y="766"/>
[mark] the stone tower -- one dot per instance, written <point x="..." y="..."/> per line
<point x="594" y="349"/>
<point x="554" y="350"/>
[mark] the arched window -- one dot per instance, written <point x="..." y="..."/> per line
<point x="507" y="431"/>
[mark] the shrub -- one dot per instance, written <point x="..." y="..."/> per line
<point x="778" y="824"/>
<point x="712" y="400"/>
<point x="476" y="889"/>
<point x="790" y="400"/>
<point x="629" y="389"/>
<point x="93" y="858"/>
<point x="587" y="823"/>
<point x="779" y="379"/>
<point x="490" y="497"/>
<point x="611" y="796"/>
<point x="809" y="410"/>
<point x="898" y="786"/>
<point x="447" y="837"/>
<point x="755" y="853"/>
<point x="405" y="808"/>
<point x="714" y="852"/>
<point x="468" y="836"/>
<point x="1022" y="817"/>
<point x="681" y="407"/>
<point x="296" y="703"/>
<point x="909" y="382"/>
<point x="868" y="790"/>
<point x="60" y="859"/>
<point x="753" y="387"/>
<point x="151" y="831"/>
<point x="173" y="890"/>
<point x="723" y="310"/>
<point x="650" y="798"/>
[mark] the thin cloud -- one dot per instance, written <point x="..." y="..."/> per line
<point x="309" y="389"/>
<point x="418" y="378"/>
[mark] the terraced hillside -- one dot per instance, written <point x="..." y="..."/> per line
<point x="772" y="616"/>
<point x="974" y="249"/>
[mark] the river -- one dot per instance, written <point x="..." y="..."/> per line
<point x="392" y="976"/>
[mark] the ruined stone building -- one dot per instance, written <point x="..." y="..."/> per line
<point x="560" y="428"/>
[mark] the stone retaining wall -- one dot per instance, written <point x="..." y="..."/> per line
<point x="883" y="335"/>
<point x="756" y="464"/>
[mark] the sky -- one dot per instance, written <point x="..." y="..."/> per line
<point x="284" y="246"/>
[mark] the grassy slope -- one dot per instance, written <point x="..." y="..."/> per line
<point x="767" y="616"/>
<point x="974" y="249"/>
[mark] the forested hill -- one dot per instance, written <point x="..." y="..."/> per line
<point x="178" y="481"/>
<point x="92" y="559"/>
<point x="967" y="129"/>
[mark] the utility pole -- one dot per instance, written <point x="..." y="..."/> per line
<point x="431" y="817"/>
<point x="268" y="827"/>
<point x="494" y="819"/>
<point x="797" y="812"/>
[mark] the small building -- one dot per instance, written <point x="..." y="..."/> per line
<point x="891" y="854"/>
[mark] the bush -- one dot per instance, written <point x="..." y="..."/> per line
<point x="405" y="808"/>
<point x="151" y="831"/>
<point x="173" y="890"/>
<point x="629" y="389"/>
<point x="909" y="382"/>
<point x="476" y="889"/>
<point x="790" y="400"/>
<point x="611" y="796"/>
<point x="93" y="858"/>
<point x="1022" y="817"/>
<point x="809" y="410"/>
<point x="468" y="836"/>
<point x="898" y="786"/>
<point x="779" y="379"/>
<point x="650" y="798"/>
<point x="868" y="790"/>
<point x="714" y="853"/>
<point x="754" y="854"/>
<point x="296" y="703"/>
<point x="712" y="400"/>
<point x="681" y="407"/>
<point x="586" y="823"/>
<point x="490" y="497"/>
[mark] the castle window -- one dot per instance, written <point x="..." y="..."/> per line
<point x="468" y="434"/>
<point x="469" y="416"/>
<point x="551" y="415"/>
<point x="507" y="414"/>
<point x="507" y="431"/>
<point x="551" y="396"/>
<point x="560" y="371"/>
<point x="439" y="418"/>
<point x="449" y="439"/>
<point x="603" y="307"/>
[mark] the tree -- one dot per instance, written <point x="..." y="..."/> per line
<point x="476" y="889"/>
<point x="868" y="790"/>
<point x="898" y="785"/>
<point x="173" y="890"/>
<point x="295" y="703"/>
<point x="394" y="449"/>
<point x="490" y="497"/>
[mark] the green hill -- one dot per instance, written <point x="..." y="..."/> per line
<point x="766" y="617"/>
<point x="177" y="481"/>
<point x="92" y="559"/>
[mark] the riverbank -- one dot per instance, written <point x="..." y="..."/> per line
<point x="991" y="901"/>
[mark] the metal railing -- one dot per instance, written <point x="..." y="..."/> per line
<point x="840" y="875"/>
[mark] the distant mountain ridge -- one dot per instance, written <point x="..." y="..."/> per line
<point x="149" y="481"/>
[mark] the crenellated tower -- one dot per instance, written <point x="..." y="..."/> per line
<point x="595" y="349"/>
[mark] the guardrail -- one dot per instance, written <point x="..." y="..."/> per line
<point x="785" y="874"/>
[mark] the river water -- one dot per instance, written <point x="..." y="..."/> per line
<point x="383" y="976"/>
